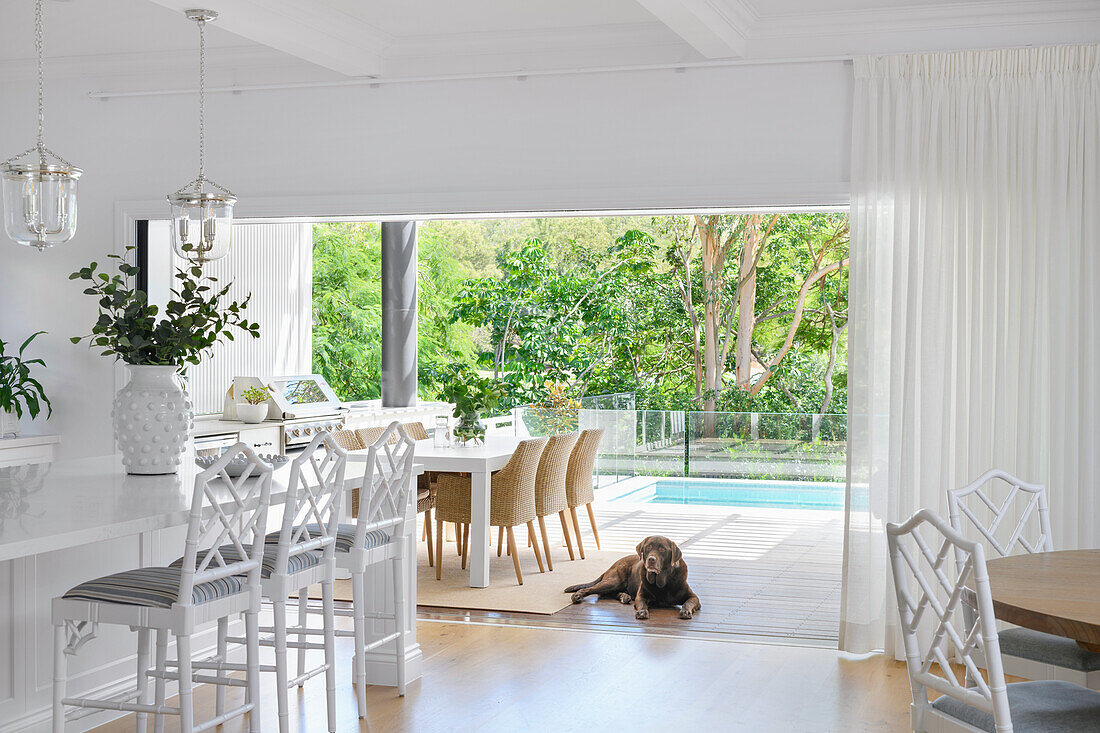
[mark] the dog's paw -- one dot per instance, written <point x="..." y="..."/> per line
<point x="641" y="614"/>
<point x="577" y="597"/>
<point x="625" y="599"/>
<point x="686" y="613"/>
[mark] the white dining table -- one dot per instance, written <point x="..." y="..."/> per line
<point x="479" y="461"/>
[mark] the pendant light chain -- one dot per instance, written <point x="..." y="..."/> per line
<point x="40" y="51"/>
<point x="202" y="102"/>
<point x="197" y="184"/>
<point x="39" y="47"/>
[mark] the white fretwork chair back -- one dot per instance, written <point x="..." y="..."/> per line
<point x="1010" y="516"/>
<point x="311" y="513"/>
<point x="240" y="524"/>
<point x="1017" y="522"/>
<point x="930" y="593"/>
<point x="387" y="484"/>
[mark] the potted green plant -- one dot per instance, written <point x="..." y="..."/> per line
<point x="19" y="391"/>
<point x="152" y="413"/>
<point x="252" y="404"/>
<point x="471" y="394"/>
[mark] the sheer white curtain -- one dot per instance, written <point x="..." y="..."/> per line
<point x="975" y="304"/>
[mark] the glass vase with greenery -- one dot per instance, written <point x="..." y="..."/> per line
<point x="19" y="391"/>
<point x="472" y="395"/>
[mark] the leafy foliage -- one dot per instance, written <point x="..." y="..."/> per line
<point x="133" y="330"/>
<point x="559" y="413"/>
<point x="471" y="393"/>
<point x="594" y="303"/>
<point x="20" y="391"/>
<point x="347" y="309"/>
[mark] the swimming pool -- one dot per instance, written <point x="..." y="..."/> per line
<point x="730" y="492"/>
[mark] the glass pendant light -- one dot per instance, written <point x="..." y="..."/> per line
<point x="202" y="211"/>
<point x="39" y="195"/>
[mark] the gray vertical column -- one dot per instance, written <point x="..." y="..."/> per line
<point x="399" y="314"/>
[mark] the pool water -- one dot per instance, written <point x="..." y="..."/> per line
<point x="736" y="492"/>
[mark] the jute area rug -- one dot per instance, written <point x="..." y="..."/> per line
<point x="541" y="593"/>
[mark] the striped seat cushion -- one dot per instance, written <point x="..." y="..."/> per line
<point x="155" y="587"/>
<point x="345" y="537"/>
<point x="229" y="553"/>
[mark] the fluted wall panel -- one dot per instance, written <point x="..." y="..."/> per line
<point x="273" y="262"/>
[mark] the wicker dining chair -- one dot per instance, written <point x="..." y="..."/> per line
<point x="349" y="440"/>
<point x="578" y="481"/>
<point x="511" y="503"/>
<point x="416" y="430"/>
<point x="550" y="495"/>
<point x="425" y="488"/>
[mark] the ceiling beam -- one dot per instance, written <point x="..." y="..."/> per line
<point x="715" y="28"/>
<point x="314" y="31"/>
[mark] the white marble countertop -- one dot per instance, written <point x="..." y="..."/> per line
<point x="52" y="506"/>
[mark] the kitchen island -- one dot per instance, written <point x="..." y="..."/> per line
<point x="66" y="522"/>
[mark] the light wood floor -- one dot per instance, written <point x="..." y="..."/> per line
<point x="507" y="678"/>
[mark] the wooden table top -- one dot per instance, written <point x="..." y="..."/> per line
<point x="1054" y="592"/>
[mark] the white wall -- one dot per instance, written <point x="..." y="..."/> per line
<point x="771" y="134"/>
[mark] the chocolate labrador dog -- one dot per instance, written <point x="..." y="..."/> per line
<point x="656" y="576"/>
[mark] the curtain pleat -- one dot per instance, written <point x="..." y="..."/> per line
<point x="974" y="295"/>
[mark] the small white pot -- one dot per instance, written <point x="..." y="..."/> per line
<point x="153" y="420"/>
<point x="251" y="413"/>
<point x="9" y="424"/>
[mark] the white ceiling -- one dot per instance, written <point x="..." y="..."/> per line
<point x="272" y="40"/>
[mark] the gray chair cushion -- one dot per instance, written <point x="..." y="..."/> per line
<point x="345" y="537"/>
<point x="1049" y="649"/>
<point x="1036" y="707"/>
<point x="156" y="587"/>
<point x="229" y="554"/>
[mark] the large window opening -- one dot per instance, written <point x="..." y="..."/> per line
<point x="711" y="347"/>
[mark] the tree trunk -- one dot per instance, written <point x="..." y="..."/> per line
<point x="713" y="261"/>
<point x="746" y="297"/>
<point x="831" y="367"/>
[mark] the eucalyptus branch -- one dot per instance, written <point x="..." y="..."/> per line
<point x="134" y="331"/>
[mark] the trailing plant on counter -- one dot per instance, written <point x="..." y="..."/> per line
<point x="135" y="331"/>
<point x="19" y="391"/>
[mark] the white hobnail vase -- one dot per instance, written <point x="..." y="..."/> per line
<point x="153" y="419"/>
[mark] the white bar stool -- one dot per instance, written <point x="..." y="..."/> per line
<point x="302" y="553"/>
<point x="226" y="512"/>
<point x="379" y="535"/>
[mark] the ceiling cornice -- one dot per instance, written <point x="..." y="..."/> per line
<point x="717" y="29"/>
<point x="942" y="17"/>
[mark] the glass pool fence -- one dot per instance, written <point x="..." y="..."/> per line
<point x="676" y="456"/>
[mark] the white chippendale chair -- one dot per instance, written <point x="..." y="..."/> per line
<point x="301" y="553"/>
<point x="378" y="536"/>
<point x="225" y="512"/>
<point x="935" y="631"/>
<point x="1031" y="654"/>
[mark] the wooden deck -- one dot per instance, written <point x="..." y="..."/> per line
<point x="760" y="573"/>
